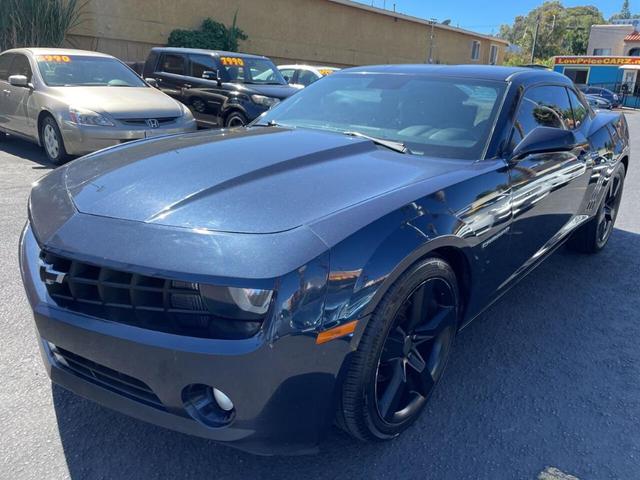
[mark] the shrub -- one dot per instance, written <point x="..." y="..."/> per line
<point x="37" y="23"/>
<point x="212" y="35"/>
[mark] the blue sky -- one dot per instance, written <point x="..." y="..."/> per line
<point x="486" y="16"/>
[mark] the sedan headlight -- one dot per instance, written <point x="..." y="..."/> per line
<point x="83" y="116"/>
<point x="264" y="100"/>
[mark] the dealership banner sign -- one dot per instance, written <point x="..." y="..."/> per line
<point x="597" y="60"/>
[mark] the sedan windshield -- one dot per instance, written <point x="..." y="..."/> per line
<point x="86" y="71"/>
<point x="430" y="115"/>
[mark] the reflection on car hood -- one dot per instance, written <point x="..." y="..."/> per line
<point x="121" y="102"/>
<point x="257" y="180"/>
<point x="276" y="91"/>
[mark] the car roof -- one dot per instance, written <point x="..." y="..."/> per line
<point x="57" y="51"/>
<point x="203" y="51"/>
<point x="485" y="72"/>
<point x="304" y="65"/>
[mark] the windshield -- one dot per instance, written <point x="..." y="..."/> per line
<point x="430" y="115"/>
<point x="86" y="71"/>
<point x="251" y="70"/>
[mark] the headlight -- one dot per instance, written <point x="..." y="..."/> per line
<point x="185" y="112"/>
<point x="82" y="116"/>
<point x="615" y="97"/>
<point x="237" y="303"/>
<point x="264" y="100"/>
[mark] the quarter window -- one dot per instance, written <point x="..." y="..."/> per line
<point x="306" y="77"/>
<point x="172" y="63"/>
<point x="475" y="50"/>
<point x="5" y="63"/>
<point x="545" y="106"/>
<point x="20" y="66"/>
<point x="580" y="110"/>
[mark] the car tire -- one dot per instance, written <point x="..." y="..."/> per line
<point x="198" y="105"/>
<point x="52" y="141"/>
<point x="421" y="308"/>
<point x="593" y="236"/>
<point x="235" y="119"/>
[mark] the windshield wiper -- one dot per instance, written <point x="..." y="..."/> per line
<point x="270" y="123"/>
<point x="390" y="144"/>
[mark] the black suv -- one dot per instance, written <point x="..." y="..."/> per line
<point x="222" y="88"/>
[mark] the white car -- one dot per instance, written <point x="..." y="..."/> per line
<point x="304" y="75"/>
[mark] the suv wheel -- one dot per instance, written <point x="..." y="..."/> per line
<point x="235" y="119"/>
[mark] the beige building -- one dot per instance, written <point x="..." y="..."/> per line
<point x="614" y="40"/>
<point x="332" y="32"/>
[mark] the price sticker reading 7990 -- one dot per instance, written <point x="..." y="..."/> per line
<point x="232" y="61"/>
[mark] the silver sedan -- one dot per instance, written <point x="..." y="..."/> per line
<point x="73" y="102"/>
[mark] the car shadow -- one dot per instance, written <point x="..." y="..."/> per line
<point x="548" y="376"/>
<point x="26" y="150"/>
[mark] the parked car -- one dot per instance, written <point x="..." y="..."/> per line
<point x="605" y="93"/>
<point x="304" y="75"/>
<point x="599" y="102"/>
<point x="73" y="102"/>
<point x="323" y="273"/>
<point x="222" y="88"/>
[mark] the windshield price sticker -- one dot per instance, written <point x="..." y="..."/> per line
<point x="232" y="61"/>
<point x="54" y="58"/>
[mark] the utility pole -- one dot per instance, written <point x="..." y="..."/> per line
<point x="535" y="39"/>
<point x="432" y="21"/>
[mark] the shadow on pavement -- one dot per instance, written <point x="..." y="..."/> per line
<point x="548" y="377"/>
<point x="27" y="150"/>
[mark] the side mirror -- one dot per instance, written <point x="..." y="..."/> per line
<point x="19" y="81"/>
<point x="152" y="81"/>
<point x="544" y="140"/>
<point x="212" y="75"/>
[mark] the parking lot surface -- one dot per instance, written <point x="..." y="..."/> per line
<point x="548" y="377"/>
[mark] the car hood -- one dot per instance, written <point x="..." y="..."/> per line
<point x="121" y="102"/>
<point x="275" y="91"/>
<point x="255" y="180"/>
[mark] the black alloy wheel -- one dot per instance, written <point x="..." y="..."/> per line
<point x="402" y="353"/>
<point x="593" y="236"/>
<point x="416" y="350"/>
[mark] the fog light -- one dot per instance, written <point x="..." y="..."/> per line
<point x="208" y="405"/>
<point x="224" y="402"/>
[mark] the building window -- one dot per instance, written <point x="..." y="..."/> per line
<point x="475" y="50"/>
<point x="578" y="75"/>
<point x="493" y="55"/>
<point x="634" y="52"/>
<point x="602" y="51"/>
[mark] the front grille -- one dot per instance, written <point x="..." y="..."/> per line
<point x="153" y="303"/>
<point x="142" y="122"/>
<point x="105" y="377"/>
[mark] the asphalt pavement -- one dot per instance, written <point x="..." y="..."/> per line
<point x="548" y="377"/>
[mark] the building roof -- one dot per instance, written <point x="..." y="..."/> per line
<point x="410" y="18"/>
<point x="632" y="37"/>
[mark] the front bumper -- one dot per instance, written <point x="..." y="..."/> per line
<point x="80" y="140"/>
<point x="284" y="390"/>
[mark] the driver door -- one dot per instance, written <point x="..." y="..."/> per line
<point x="17" y="100"/>
<point x="548" y="189"/>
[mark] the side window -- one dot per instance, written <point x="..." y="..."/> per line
<point x="201" y="64"/>
<point x="5" y="63"/>
<point x="580" y="110"/>
<point x="287" y="74"/>
<point x="20" y="66"/>
<point x="545" y="106"/>
<point x="172" y="63"/>
<point x="306" y="77"/>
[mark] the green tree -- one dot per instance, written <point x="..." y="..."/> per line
<point x="561" y="31"/>
<point x="212" y="35"/>
<point x="625" y="12"/>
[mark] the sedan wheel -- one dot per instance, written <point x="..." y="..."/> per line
<point x="402" y="353"/>
<point x="51" y="140"/>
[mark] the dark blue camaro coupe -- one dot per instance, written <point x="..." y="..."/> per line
<point x="256" y="285"/>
